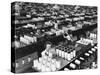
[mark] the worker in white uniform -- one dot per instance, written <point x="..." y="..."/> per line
<point x="68" y="36"/>
<point x="46" y="51"/>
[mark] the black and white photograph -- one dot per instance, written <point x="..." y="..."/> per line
<point x="49" y="37"/>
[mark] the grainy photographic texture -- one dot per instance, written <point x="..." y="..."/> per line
<point x="53" y="37"/>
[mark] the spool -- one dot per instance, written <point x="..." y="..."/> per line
<point x="47" y="69"/>
<point x="66" y="55"/>
<point x="44" y="62"/>
<point x="29" y="59"/>
<point x="53" y="61"/>
<point x="49" y="59"/>
<point x="86" y="54"/>
<point x="58" y="64"/>
<point x="35" y="62"/>
<point x="77" y="62"/>
<point x="63" y="54"/>
<point x="48" y="64"/>
<point x="93" y="49"/>
<point x="69" y="56"/>
<point x="90" y="52"/>
<point x="66" y="69"/>
<point x="81" y="58"/>
<point x="17" y="65"/>
<point x="53" y="67"/>
<point x="39" y="66"/>
<point x="43" y="69"/>
<point x="74" y="53"/>
<point x="72" y="65"/>
<point x="57" y="51"/>
<point x="45" y="57"/>
<point x="60" y="53"/>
